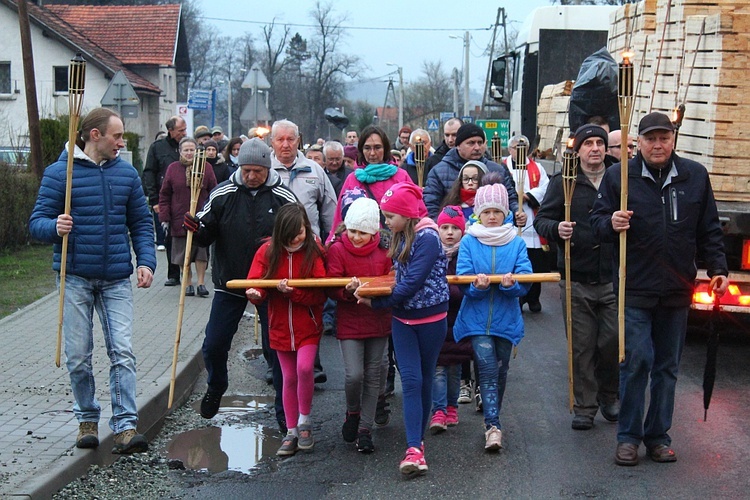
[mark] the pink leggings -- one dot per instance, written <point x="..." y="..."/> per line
<point x="299" y="382"/>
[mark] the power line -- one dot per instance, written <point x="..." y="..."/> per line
<point x="368" y="28"/>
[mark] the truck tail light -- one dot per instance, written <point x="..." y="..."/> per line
<point x="738" y="295"/>
<point x="745" y="264"/>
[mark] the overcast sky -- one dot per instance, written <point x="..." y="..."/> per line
<point x="424" y="33"/>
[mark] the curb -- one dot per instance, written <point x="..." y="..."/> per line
<point x="152" y="409"/>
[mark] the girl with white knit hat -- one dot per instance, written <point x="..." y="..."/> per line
<point x="362" y="332"/>
<point x="489" y="314"/>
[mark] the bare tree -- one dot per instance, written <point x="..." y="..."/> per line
<point x="431" y="94"/>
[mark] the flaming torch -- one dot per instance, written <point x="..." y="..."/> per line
<point x="496" y="149"/>
<point x="419" y="159"/>
<point x="569" y="174"/>
<point x="625" y="101"/>
<point x="197" y="169"/>
<point x="522" y="151"/>
<point x="76" y="85"/>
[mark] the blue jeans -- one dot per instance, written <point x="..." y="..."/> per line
<point x="654" y="339"/>
<point x="113" y="301"/>
<point x="446" y="385"/>
<point x="491" y="355"/>
<point x="417" y="348"/>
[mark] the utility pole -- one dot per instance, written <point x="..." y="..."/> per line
<point x="466" y="74"/>
<point x="400" y="94"/>
<point x="32" y="107"/>
<point x="455" y="92"/>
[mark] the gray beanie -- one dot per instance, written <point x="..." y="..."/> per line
<point x="254" y="152"/>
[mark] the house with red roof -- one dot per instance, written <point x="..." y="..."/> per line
<point x="146" y="42"/>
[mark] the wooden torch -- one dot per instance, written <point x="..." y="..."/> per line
<point x="625" y="102"/>
<point x="522" y="152"/>
<point x="496" y="148"/>
<point x="197" y="170"/>
<point x="569" y="174"/>
<point x="419" y="160"/>
<point x="76" y="85"/>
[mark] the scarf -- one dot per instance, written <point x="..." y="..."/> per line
<point x="467" y="196"/>
<point x="365" y="249"/>
<point x="451" y="250"/>
<point x="493" y="236"/>
<point x="375" y="172"/>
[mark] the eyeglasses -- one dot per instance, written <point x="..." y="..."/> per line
<point x="474" y="180"/>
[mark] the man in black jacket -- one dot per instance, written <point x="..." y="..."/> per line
<point x="671" y="219"/>
<point x="160" y="155"/>
<point x="595" y="371"/>
<point x="238" y="215"/>
<point x="449" y="140"/>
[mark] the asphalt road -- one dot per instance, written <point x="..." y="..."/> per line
<point x="542" y="456"/>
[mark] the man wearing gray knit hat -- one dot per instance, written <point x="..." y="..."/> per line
<point x="238" y="215"/>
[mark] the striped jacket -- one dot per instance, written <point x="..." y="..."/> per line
<point x="238" y="218"/>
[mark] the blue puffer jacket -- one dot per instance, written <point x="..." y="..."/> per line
<point x="421" y="286"/>
<point x="493" y="311"/>
<point x="109" y="211"/>
<point x="442" y="176"/>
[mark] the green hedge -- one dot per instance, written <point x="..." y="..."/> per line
<point x="18" y="192"/>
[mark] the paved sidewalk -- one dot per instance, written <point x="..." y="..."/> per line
<point x="37" y="425"/>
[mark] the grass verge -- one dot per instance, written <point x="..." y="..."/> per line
<point x="25" y="276"/>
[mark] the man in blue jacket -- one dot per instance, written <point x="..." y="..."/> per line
<point x="108" y="211"/>
<point x="671" y="219"/>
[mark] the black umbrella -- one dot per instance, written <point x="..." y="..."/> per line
<point x="712" y="349"/>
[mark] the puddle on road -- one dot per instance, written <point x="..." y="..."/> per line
<point x="240" y="404"/>
<point x="233" y="446"/>
<point x="229" y="447"/>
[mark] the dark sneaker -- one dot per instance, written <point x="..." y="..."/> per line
<point x="202" y="292"/>
<point x="351" y="424"/>
<point x="88" y="435"/>
<point x="190" y="291"/>
<point x="582" y="423"/>
<point x="382" y="412"/>
<point x="172" y="282"/>
<point x="129" y="441"/>
<point x="320" y="376"/>
<point x="610" y="411"/>
<point x="210" y="404"/>
<point x="306" y="440"/>
<point x="288" y="446"/>
<point x="364" y="441"/>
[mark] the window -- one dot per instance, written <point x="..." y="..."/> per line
<point x="5" y="78"/>
<point x="61" y="78"/>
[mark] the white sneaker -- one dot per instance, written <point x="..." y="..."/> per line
<point x="161" y="248"/>
<point x="464" y="396"/>
<point x="493" y="439"/>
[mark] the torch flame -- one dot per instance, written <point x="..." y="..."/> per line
<point x="571" y="142"/>
<point x="627" y="56"/>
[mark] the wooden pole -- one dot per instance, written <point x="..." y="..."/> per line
<point x="419" y="160"/>
<point x="569" y="175"/>
<point x="29" y="79"/>
<point x="196" y="183"/>
<point x="76" y="85"/>
<point x="625" y="102"/>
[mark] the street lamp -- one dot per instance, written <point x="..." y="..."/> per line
<point x="229" y="105"/>
<point x="466" y="70"/>
<point x="400" y="94"/>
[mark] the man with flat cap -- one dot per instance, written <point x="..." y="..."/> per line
<point x="671" y="219"/>
<point x="471" y="144"/>
<point x="595" y="371"/>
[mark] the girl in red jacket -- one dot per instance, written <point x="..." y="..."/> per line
<point x="362" y="332"/>
<point x="295" y="315"/>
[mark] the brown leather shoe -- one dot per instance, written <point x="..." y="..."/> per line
<point x="661" y="453"/>
<point x="627" y="454"/>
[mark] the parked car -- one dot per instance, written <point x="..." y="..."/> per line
<point x="15" y="157"/>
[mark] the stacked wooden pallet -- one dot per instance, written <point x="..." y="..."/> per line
<point x="552" y="113"/>
<point x="696" y="52"/>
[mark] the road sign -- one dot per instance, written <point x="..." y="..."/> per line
<point x="433" y="124"/>
<point x="501" y="127"/>
<point x="121" y="95"/>
<point x="199" y="99"/>
<point x="467" y="119"/>
<point x="446" y="115"/>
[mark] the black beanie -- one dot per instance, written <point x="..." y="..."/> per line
<point x="468" y="130"/>
<point x="586" y="131"/>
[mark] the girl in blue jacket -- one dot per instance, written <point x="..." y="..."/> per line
<point x="419" y="302"/>
<point x="489" y="313"/>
